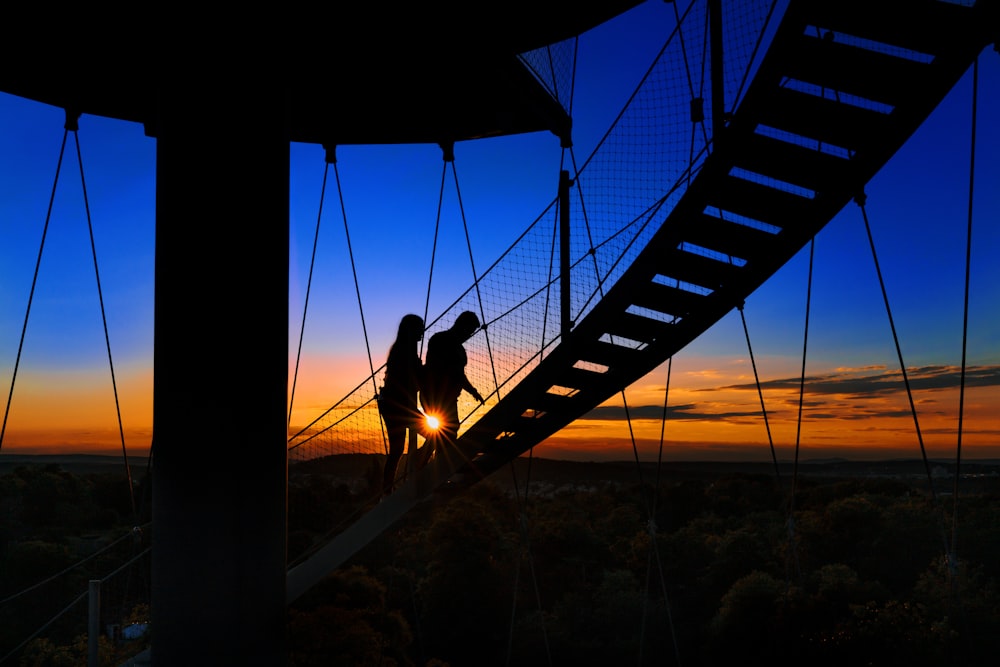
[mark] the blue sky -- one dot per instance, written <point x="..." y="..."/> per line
<point x="917" y="206"/>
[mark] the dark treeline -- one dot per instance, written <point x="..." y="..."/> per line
<point x="59" y="530"/>
<point x="719" y="576"/>
<point x="564" y="574"/>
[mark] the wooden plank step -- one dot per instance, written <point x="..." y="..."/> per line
<point x="696" y="269"/>
<point x="825" y="120"/>
<point x="849" y="69"/>
<point x="806" y="167"/>
<point x="526" y="422"/>
<point x="759" y="202"/>
<point x="635" y="327"/>
<point x="727" y="237"/>
<point x="608" y="354"/>
<point x="577" y="378"/>
<point x="925" y="26"/>
<point x="548" y="402"/>
<point x="667" y="300"/>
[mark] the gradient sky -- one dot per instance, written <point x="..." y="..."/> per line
<point x="854" y="404"/>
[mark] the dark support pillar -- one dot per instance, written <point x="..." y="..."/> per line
<point x="565" y="296"/>
<point x="220" y="369"/>
<point x="718" y="82"/>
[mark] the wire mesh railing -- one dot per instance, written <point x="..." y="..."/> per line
<point x="621" y="194"/>
<point x="54" y="616"/>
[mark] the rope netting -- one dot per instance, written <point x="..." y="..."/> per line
<point x="56" y="608"/>
<point x="621" y="194"/>
<point x="553" y="68"/>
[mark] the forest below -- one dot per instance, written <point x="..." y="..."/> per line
<point x="700" y="564"/>
<point x="693" y="565"/>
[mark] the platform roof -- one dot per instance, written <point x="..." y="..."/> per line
<point x="353" y="73"/>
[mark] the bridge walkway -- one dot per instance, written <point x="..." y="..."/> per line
<point x="841" y="88"/>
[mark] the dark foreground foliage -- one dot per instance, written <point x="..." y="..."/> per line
<point x="58" y="531"/>
<point x="725" y="573"/>
<point x="696" y="570"/>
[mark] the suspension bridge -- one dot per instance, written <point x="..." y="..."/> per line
<point x="734" y="162"/>
<point x="839" y="91"/>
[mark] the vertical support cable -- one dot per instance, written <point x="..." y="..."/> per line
<point x="564" y="283"/>
<point x="586" y="222"/>
<point x="678" y="30"/>
<point x="860" y="199"/>
<point x="572" y="79"/>
<point x="475" y="278"/>
<point x="354" y="272"/>
<point x="718" y="81"/>
<point x="654" y="552"/>
<point x="331" y="156"/>
<point x="548" y="282"/>
<point x="31" y="292"/>
<point x="798" y="429"/>
<point x="802" y="374"/>
<point x="437" y="229"/>
<point x="760" y="394"/>
<point x="72" y="123"/>
<point x="965" y="318"/>
<point x="663" y="426"/>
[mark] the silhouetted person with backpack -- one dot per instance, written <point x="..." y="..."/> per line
<point x="398" y="398"/>
<point x="444" y="377"/>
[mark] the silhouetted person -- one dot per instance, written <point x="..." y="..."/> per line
<point x="398" y="399"/>
<point x="444" y="377"/>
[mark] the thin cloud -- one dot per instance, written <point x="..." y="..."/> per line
<point x="860" y="384"/>
<point x="655" y="412"/>
<point x="852" y="387"/>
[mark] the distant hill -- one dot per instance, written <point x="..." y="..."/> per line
<point x="557" y="472"/>
<point x="74" y="463"/>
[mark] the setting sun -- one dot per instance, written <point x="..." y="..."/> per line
<point x="432" y="422"/>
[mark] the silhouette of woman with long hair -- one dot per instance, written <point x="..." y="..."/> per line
<point x="398" y="398"/>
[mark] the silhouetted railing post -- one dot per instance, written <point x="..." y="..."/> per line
<point x="565" y="322"/>
<point x="94" y="623"/>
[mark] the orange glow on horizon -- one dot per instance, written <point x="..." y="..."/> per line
<point x="103" y="441"/>
<point x="74" y="413"/>
<point x="713" y="412"/>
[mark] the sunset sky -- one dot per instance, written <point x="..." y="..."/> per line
<point x="854" y="404"/>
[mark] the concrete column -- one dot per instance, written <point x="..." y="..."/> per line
<point x="220" y="367"/>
